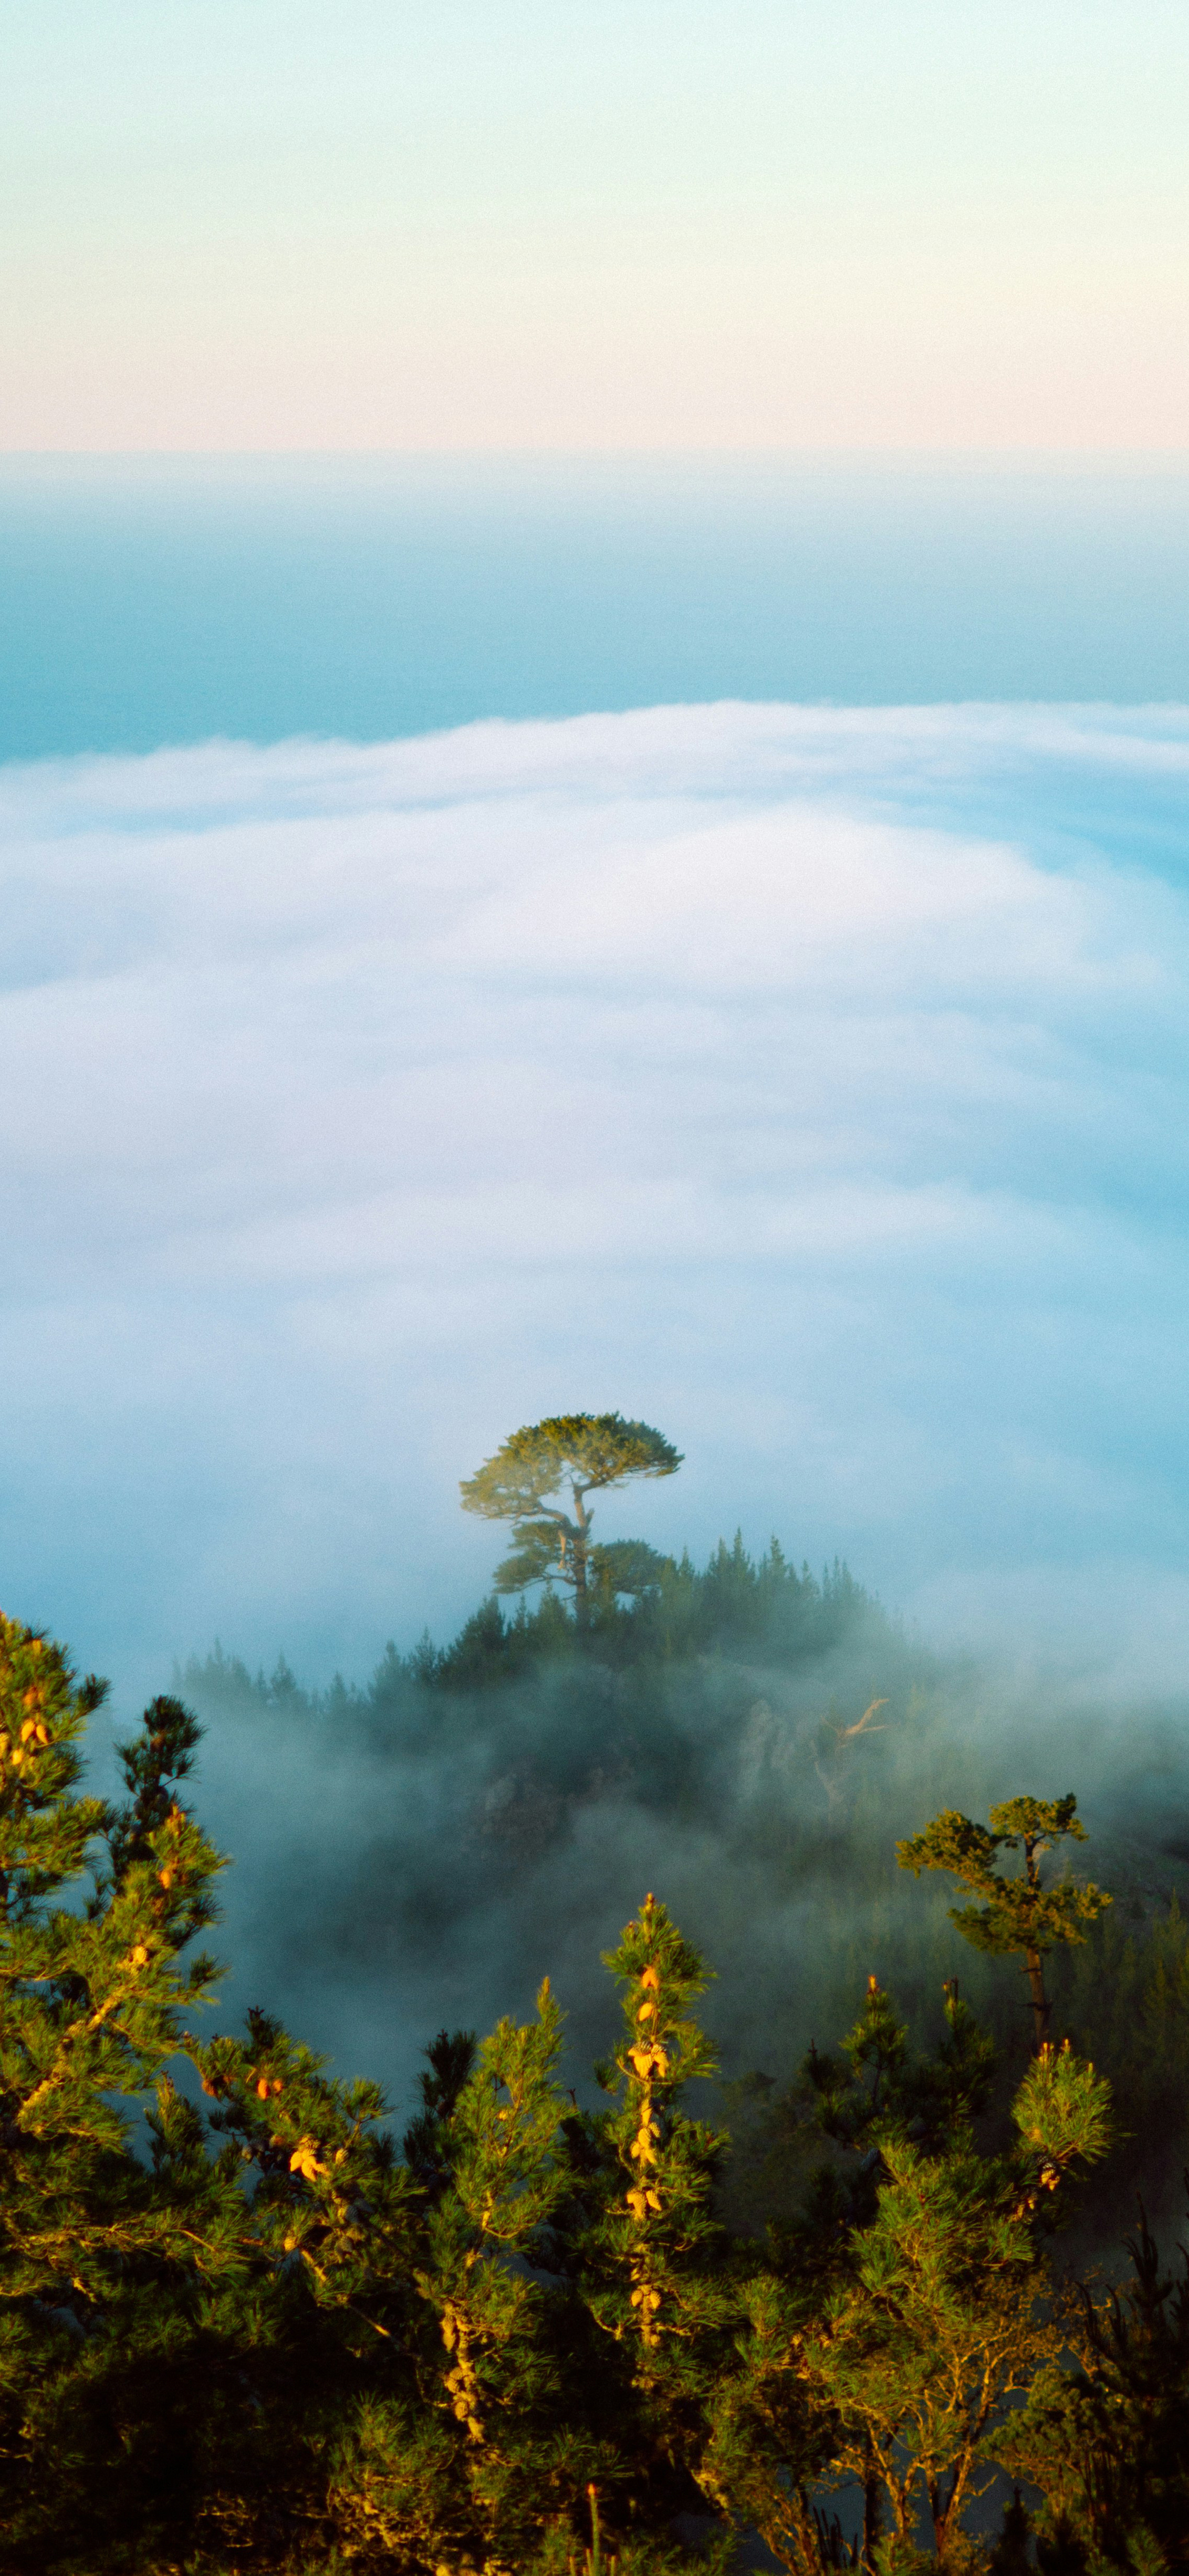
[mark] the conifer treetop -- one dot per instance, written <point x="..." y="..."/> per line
<point x="659" y="2224"/>
<point x="1018" y="1914"/>
<point x="90" y="1991"/>
<point x="582" y="1450"/>
<point x="577" y="1454"/>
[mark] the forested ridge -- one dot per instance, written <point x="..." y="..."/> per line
<point x="545" y="2318"/>
<point x="735" y="1600"/>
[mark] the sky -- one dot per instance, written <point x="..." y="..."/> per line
<point x="438" y="225"/>
<point x="593" y="730"/>
<point x="808" y="1082"/>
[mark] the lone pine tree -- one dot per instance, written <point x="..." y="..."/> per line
<point x="576" y="1454"/>
<point x="1018" y="1914"/>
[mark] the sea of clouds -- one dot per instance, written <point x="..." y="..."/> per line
<point x="810" y="1082"/>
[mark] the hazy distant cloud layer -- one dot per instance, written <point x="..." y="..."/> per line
<point x="812" y="1083"/>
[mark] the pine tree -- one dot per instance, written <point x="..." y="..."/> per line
<point x="1018" y="1914"/>
<point x="933" y="2320"/>
<point x="90" y="2000"/>
<point x="580" y="1454"/>
<point x="1108" y="2442"/>
<point x="659" y="2233"/>
<point x="99" y="2253"/>
<point x="706" y="2329"/>
<point x="1010" y="2556"/>
<point x="450" y="2060"/>
<point x="484" y="2453"/>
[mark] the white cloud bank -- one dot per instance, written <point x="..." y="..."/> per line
<point x="812" y="1083"/>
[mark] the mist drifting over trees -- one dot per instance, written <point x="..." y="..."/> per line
<point x="536" y="2313"/>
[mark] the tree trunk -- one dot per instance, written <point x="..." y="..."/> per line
<point x="872" y="2519"/>
<point x="578" y="1551"/>
<point x="1041" y="2007"/>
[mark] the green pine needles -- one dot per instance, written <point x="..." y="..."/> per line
<point x="241" y="2330"/>
<point x="577" y="1454"/>
<point x="91" y="1994"/>
<point x="1021" y="1914"/>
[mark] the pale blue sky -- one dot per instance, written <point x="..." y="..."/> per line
<point x="237" y="224"/>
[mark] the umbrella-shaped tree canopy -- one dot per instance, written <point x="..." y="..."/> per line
<point x="571" y="1455"/>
